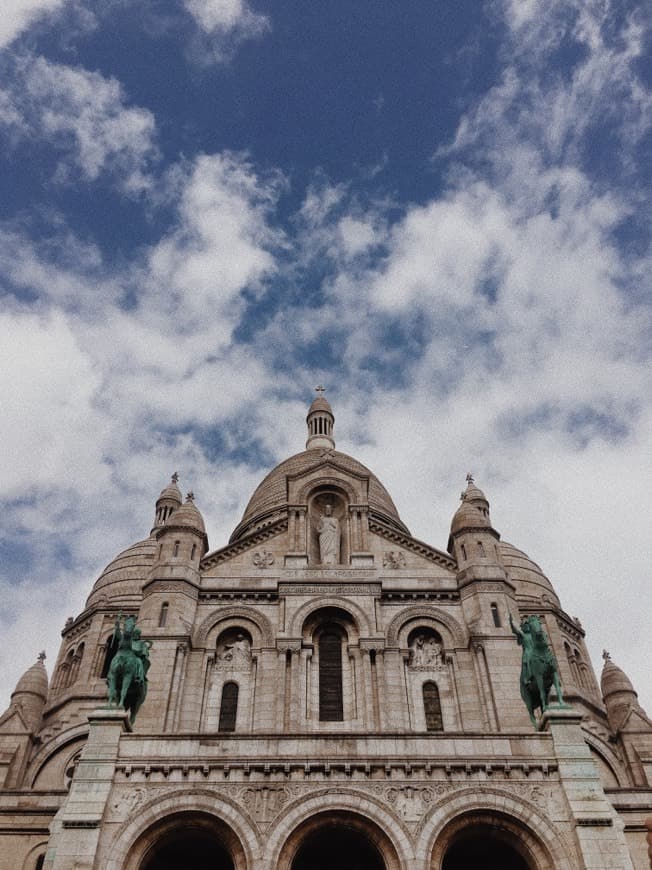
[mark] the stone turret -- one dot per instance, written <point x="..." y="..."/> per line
<point x="320" y="422"/>
<point x="168" y="607"/>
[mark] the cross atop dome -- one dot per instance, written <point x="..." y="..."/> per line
<point x="321" y="390"/>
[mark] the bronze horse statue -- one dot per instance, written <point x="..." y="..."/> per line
<point x="127" y="675"/>
<point x="539" y="670"/>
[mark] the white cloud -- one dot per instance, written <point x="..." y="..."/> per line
<point x="554" y="109"/>
<point x="224" y="24"/>
<point x="85" y="115"/>
<point x="18" y="15"/>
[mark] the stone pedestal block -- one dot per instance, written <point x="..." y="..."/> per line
<point x="76" y="827"/>
<point x="598" y="828"/>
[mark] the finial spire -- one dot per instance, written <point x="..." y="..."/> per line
<point x="175" y="477"/>
<point x="469" y="478"/>
<point x="606" y="655"/>
<point x="321" y="390"/>
<point x="41" y="656"/>
<point x="190" y="495"/>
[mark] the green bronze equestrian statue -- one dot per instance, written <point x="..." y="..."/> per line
<point x="127" y="676"/>
<point x="539" y="670"/>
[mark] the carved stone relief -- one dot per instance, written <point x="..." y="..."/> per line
<point x="426" y="653"/>
<point x="394" y="559"/>
<point x="233" y="652"/>
<point x="263" y="559"/>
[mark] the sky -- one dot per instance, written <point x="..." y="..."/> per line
<point x="438" y="209"/>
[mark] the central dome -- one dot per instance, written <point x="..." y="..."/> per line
<point x="270" y="499"/>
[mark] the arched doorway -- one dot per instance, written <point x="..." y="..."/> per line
<point x="486" y="846"/>
<point x="336" y="845"/>
<point x="340" y="839"/>
<point x="192" y="840"/>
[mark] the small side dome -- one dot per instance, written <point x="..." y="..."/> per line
<point x="188" y="516"/>
<point x="30" y="694"/>
<point x="620" y="697"/>
<point x="614" y="679"/>
<point x="34" y="681"/>
<point x="473" y="513"/>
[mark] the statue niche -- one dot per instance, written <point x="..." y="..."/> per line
<point x="327" y="523"/>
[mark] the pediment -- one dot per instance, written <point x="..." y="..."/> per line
<point x="327" y="472"/>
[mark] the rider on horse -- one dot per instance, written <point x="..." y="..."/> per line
<point x="127" y="677"/>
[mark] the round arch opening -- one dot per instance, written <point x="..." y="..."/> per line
<point x="491" y="841"/>
<point x="195" y="840"/>
<point x="483" y="846"/>
<point x="338" y="839"/>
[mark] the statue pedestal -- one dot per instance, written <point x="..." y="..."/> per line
<point x="76" y="827"/>
<point x="599" y="830"/>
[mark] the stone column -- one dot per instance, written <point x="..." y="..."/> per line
<point x="76" y="828"/>
<point x="280" y="691"/>
<point x="599" y="830"/>
<point x="368" y="690"/>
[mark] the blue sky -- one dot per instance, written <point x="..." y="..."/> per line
<point x="439" y="210"/>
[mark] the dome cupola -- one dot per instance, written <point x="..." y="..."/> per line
<point x="320" y="422"/>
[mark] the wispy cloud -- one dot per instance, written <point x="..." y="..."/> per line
<point x="18" y="15"/>
<point x="223" y="25"/>
<point x="83" y="115"/>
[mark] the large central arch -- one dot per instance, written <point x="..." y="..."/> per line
<point x="190" y="840"/>
<point x="338" y="838"/>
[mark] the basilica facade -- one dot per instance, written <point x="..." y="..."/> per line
<point x="324" y="690"/>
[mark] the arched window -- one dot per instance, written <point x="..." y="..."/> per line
<point x="495" y="614"/>
<point x="331" y="703"/>
<point x="39" y="862"/>
<point x="176" y="548"/>
<point x="228" y="707"/>
<point x="76" y="662"/>
<point x="163" y="615"/>
<point x="193" y="551"/>
<point x="463" y="549"/>
<point x="481" y="550"/>
<point x="432" y="707"/>
<point x="65" y="673"/>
